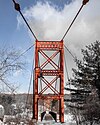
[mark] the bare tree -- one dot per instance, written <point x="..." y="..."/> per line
<point x="9" y="63"/>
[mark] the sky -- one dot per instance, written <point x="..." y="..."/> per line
<point x="49" y="20"/>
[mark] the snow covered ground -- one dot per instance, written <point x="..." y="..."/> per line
<point x="46" y="123"/>
<point x="68" y="121"/>
<point x="1" y="123"/>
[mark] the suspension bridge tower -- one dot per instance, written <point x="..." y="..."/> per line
<point x="49" y="79"/>
<point x="48" y="82"/>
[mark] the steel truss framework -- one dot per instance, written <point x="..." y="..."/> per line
<point x="54" y="71"/>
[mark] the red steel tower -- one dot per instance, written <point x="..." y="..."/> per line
<point x="49" y="76"/>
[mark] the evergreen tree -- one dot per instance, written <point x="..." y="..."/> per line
<point x="86" y="81"/>
<point x="87" y="74"/>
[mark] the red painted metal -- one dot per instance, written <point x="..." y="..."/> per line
<point x="48" y="75"/>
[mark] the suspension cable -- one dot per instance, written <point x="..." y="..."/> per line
<point x="70" y="52"/>
<point x="30" y="82"/>
<point x="83" y="3"/>
<point x="17" y="8"/>
<point x="11" y="88"/>
<point x="68" y="78"/>
<point x="25" y="51"/>
<point x="66" y="68"/>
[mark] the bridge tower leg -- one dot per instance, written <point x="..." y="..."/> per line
<point x="49" y="76"/>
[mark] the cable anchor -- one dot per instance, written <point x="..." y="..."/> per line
<point x="16" y="5"/>
<point x="85" y="2"/>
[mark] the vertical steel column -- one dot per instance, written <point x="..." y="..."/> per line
<point x="62" y="85"/>
<point x="35" y="91"/>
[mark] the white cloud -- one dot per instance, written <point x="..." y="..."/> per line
<point x="50" y="23"/>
